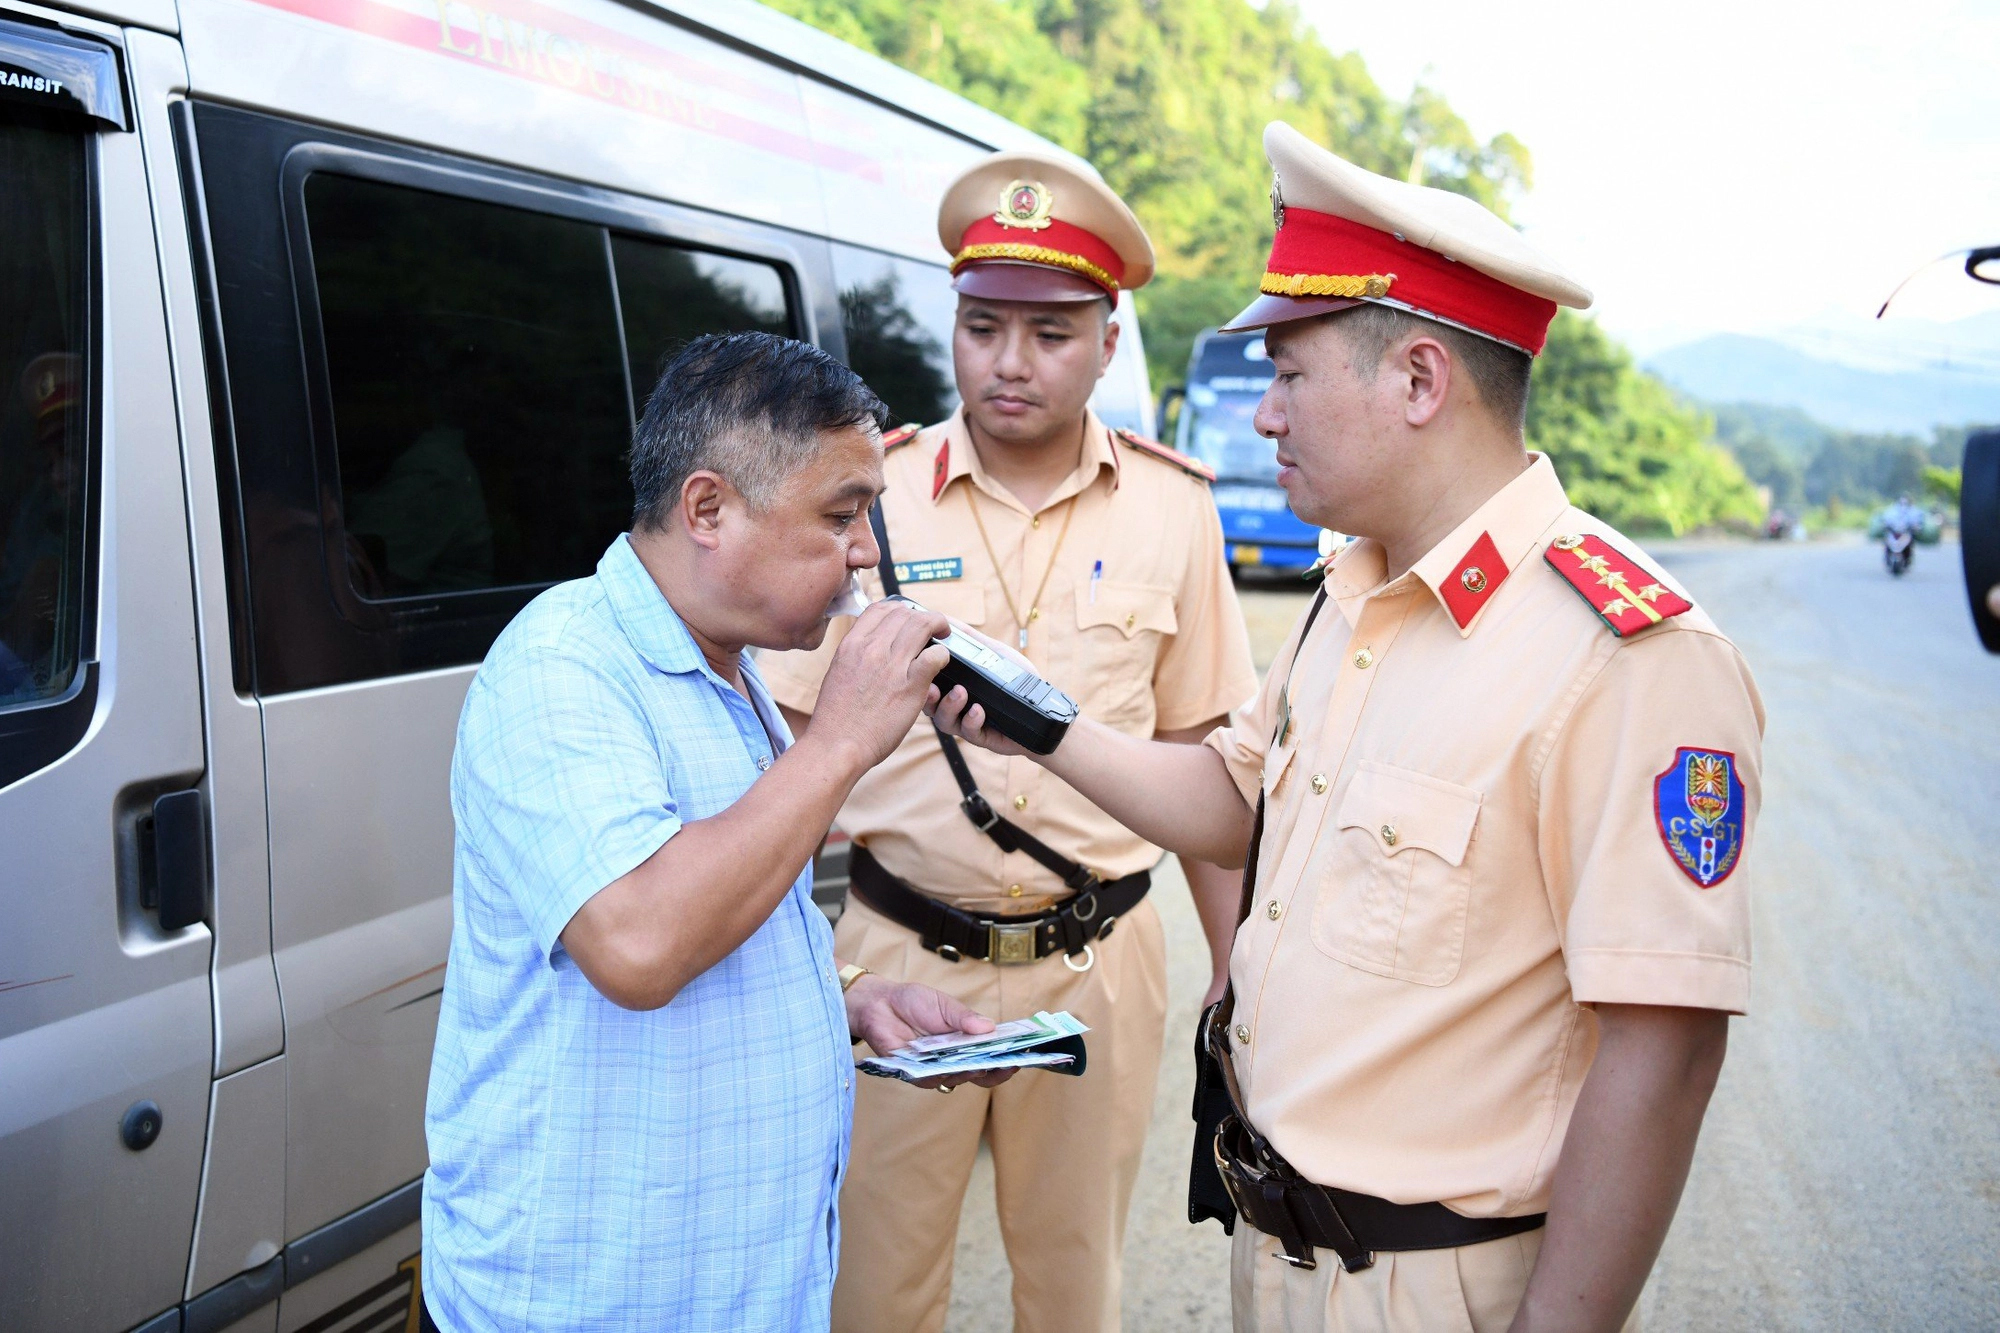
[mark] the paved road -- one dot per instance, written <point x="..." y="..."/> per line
<point x="1849" y="1173"/>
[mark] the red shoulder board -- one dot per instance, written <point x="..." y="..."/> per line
<point x="900" y="436"/>
<point x="1194" y="467"/>
<point x="1625" y="595"/>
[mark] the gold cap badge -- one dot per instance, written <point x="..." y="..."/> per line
<point x="1025" y="204"/>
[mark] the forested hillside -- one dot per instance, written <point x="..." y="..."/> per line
<point x="1169" y="98"/>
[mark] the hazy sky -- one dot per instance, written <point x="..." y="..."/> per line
<point x="1711" y="166"/>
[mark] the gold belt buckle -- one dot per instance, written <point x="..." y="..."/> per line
<point x="1007" y="944"/>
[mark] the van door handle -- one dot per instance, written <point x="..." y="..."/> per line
<point x="174" y="855"/>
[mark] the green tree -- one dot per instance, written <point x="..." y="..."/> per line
<point x="1625" y="447"/>
<point x="1169" y="99"/>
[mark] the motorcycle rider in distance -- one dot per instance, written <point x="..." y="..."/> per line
<point x="1900" y="525"/>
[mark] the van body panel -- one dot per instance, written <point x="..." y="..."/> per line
<point x="101" y="1009"/>
<point x="361" y="850"/>
<point x="240" y="1223"/>
<point x="380" y="1288"/>
<point x="103" y="17"/>
<point x="249" y="1024"/>
<point x="827" y="58"/>
<point x="588" y="90"/>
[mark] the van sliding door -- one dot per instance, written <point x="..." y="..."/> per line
<point x="433" y="368"/>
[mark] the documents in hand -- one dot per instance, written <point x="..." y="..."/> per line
<point x="1046" y="1041"/>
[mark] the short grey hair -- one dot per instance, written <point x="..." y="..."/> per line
<point x="750" y="407"/>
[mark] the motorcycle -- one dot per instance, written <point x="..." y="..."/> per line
<point x="1899" y="545"/>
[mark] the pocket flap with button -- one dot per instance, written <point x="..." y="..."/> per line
<point x="1400" y="809"/>
<point x="1128" y="608"/>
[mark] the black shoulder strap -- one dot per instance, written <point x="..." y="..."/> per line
<point x="887" y="568"/>
<point x="1010" y="837"/>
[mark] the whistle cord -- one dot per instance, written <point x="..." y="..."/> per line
<point x="1034" y="604"/>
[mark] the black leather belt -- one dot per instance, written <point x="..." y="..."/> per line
<point x="953" y="934"/>
<point x="1302" y="1216"/>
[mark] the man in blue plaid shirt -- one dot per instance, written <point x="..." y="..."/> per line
<point x="641" y="1092"/>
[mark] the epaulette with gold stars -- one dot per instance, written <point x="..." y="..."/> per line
<point x="1194" y="467"/>
<point x="898" y="437"/>
<point x="1625" y="595"/>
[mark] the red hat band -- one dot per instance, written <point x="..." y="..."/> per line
<point x="1320" y="255"/>
<point x="1055" y="244"/>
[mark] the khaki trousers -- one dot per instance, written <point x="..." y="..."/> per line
<point x="1472" y="1289"/>
<point x="1065" y="1150"/>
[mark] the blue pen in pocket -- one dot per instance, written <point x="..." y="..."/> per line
<point x="1096" y="573"/>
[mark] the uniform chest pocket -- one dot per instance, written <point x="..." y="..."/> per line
<point x="1397" y="886"/>
<point x="1119" y="638"/>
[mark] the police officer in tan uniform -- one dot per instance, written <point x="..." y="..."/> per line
<point x="1502" y="778"/>
<point x="1098" y="556"/>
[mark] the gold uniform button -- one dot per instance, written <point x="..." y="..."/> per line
<point x="1364" y="659"/>
<point x="1389" y="834"/>
<point x="1020" y="802"/>
<point x="1035" y="522"/>
<point x="1013" y="890"/>
<point x="1273" y="910"/>
<point x="1319" y="784"/>
<point x="1130" y="619"/>
<point x="1243" y="1034"/>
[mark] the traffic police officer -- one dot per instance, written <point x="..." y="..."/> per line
<point x="1098" y="555"/>
<point x="1503" y="776"/>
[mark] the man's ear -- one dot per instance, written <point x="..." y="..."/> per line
<point x="703" y="495"/>
<point x="1110" y="341"/>
<point x="1427" y="364"/>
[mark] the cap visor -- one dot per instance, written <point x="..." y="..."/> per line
<point x="1003" y="280"/>
<point x="1265" y="311"/>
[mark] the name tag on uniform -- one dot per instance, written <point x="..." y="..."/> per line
<point x="929" y="571"/>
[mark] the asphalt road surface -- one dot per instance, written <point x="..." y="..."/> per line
<point x="1849" y="1172"/>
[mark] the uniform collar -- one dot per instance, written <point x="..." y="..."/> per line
<point x="1465" y="569"/>
<point x="954" y="457"/>
<point x="651" y="625"/>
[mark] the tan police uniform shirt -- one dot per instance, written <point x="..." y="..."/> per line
<point x="1155" y="642"/>
<point x="1462" y="852"/>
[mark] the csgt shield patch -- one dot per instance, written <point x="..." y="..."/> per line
<point x="1698" y="803"/>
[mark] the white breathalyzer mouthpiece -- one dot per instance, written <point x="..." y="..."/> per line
<point x="852" y="601"/>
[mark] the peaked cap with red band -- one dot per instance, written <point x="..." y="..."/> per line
<point x="1346" y="235"/>
<point x="1024" y="226"/>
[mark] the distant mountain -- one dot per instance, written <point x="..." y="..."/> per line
<point x="1733" y="367"/>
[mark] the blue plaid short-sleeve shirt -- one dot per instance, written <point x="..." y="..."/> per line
<point x="594" y="1167"/>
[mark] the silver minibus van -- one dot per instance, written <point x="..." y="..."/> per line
<point x="322" y="328"/>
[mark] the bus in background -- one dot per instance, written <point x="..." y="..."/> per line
<point x="1227" y="374"/>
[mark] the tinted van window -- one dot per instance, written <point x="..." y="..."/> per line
<point x="898" y="318"/>
<point x="45" y="240"/>
<point x="477" y="380"/>
<point x="670" y="295"/>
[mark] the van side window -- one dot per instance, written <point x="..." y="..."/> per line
<point x="670" y="295"/>
<point x="478" y="388"/>
<point x="898" y="316"/>
<point x="45" y="293"/>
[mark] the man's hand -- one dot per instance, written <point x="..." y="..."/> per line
<point x="889" y="1015"/>
<point x="879" y="680"/>
<point x="956" y="715"/>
